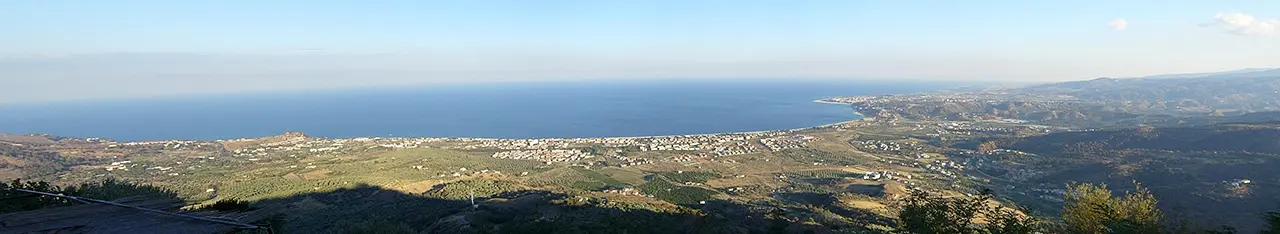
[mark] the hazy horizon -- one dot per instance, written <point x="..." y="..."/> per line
<point x="272" y="94"/>
<point x="136" y="49"/>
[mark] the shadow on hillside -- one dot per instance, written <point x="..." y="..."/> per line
<point x="371" y="209"/>
<point x="830" y="203"/>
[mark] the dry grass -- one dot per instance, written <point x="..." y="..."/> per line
<point x="7" y="174"/>
<point x="867" y="205"/>
<point x="417" y="187"/>
<point x="624" y="175"/>
<point x="315" y="175"/>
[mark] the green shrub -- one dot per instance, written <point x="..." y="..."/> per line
<point x="1091" y="209"/>
<point x="676" y="194"/>
<point x="921" y="213"/>
<point x="108" y="189"/>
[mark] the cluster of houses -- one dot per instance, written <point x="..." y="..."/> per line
<point x="539" y="143"/>
<point x="735" y="148"/>
<point x="786" y="142"/>
<point x="556" y="155"/>
<point x="124" y="166"/>
<point x="624" y="191"/>
<point x="884" y="146"/>
<point x="714" y="142"/>
<point x="121" y="165"/>
<point x="887" y="175"/>
<point x="516" y="144"/>
<point x="965" y="128"/>
<point x="630" y="161"/>
<point x="943" y="167"/>
<point x="899" y="177"/>
<point x="464" y="172"/>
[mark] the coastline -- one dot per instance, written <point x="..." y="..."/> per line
<point x="824" y="101"/>
<point x="639" y="137"/>
<point x="571" y="110"/>
<point x="860" y="116"/>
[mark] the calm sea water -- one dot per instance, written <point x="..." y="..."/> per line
<point x="526" y="110"/>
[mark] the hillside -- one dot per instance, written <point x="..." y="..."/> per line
<point x="571" y="185"/>
<point x="1229" y="93"/>
<point x="1097" y="103"/>
<point x="1217" y="173"/>
<point x="1255" y="138"/>
<point x="1213" y="167"/>
<point x="1205" y="74"/>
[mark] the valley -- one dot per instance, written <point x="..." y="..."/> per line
<point x="1210" y="166"/>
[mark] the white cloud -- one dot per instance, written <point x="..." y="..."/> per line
<point x="1245" y="24"/>
<point x="1119" y="24"/>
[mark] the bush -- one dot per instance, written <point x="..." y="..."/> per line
<point x="1091" y="209"/>
<point x="922" y="213"/>
<point x="676" y="194"/>
<point x="103" y="190"/>
<point x="479" y="188"/>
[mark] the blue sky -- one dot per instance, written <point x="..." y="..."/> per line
<point x="74" y="49"/>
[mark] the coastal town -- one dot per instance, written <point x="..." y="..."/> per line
<point x="685" y="149"/>
<point x="881" y="159"/>
<point x="901" y="152"/>
<point x="936" y="170"/>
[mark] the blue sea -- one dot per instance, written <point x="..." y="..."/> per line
<point x="511" y="110"/>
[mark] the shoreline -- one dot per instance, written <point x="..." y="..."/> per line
<point x="824" y="101"/>
<point x="860" y="116"/>
<point x="627" y="137"/>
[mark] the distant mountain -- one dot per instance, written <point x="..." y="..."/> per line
<point x="1207" y="74"/>
<point x="1167" y="100"/>
<point x="1226" y="93"/>
<point x="1261" y="73"/>
<point x="1233" y="137"/>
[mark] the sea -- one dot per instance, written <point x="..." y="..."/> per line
<point x="494" y="110"/>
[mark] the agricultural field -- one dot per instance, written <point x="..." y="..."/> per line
<point x="822" y="181"/>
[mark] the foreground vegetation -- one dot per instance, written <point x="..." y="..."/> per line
<point x="1089" y="209"/>
<point x="103" y="190"/>
<point x="363" y="209"/>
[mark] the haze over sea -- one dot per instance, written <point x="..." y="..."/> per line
<point x="510" y="110"/>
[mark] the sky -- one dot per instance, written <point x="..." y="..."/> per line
<point x="71" y="50"/>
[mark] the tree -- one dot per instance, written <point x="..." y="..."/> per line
<point x="109" y="189"/>
<point x="922" y="213"/>
<point x="20" y="201"/>
<point x="1091" y="209"/>
<point x="1005" y="221"/>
